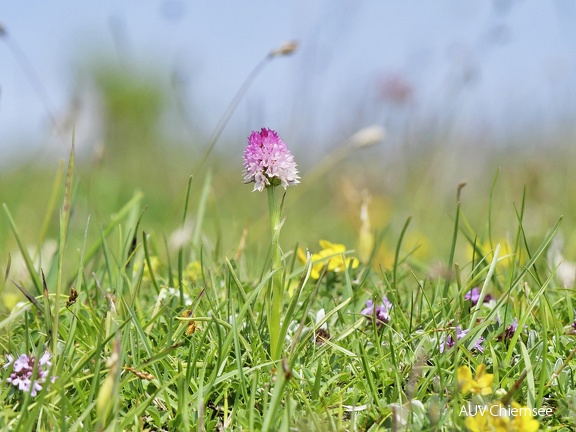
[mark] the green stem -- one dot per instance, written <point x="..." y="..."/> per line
<point x="275" y="297"/>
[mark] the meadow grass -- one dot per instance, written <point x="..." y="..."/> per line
<point x="148" y="332"/>
<point x="139" y="297"/>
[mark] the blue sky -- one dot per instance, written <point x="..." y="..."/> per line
<point x="517" y="58"/>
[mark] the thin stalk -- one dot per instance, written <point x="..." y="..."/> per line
<point x="276" y="282"/>
<point x="285" y="49"/>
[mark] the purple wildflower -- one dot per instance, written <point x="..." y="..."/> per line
<point x="267" y="159"/>
<point x="22" y="368"/>
<point x="449" y="340"/>
<point x="474" y="295"/>
<point x="396" y="88"/>
<point x="508" y="334"/>
<point x="381" y="312"/>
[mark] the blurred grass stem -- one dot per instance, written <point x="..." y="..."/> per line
<point x="31" y="76"/>
<point x="286" y="49"/>
<point x="364" y="138"/>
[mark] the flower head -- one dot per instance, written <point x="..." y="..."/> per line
<point x="474" y="295"/>
<point x="380" y="313"/>
<point x="508" y="334"/>
<point x="330" y="255"/>
<point x="267" y="161"/>
<point x="22" y="369"/>
<point x="449" y="340"/>
<point x="481" y="385"/>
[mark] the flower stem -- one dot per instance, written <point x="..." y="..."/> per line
<point x="275" y="292"/>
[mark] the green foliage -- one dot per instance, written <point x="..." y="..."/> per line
<point x="148" y="335"/>
<point x="132" y="104"/>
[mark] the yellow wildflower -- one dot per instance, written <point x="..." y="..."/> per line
<point x="481" y="385"/>
<point x="500" y="418"/>
<point x="147" y="274"/>
<point x="330" y="255"/>
<point x="193" y="271"/>
<point x="481" y="421"/>
<point x="485" y="250"/>
<point x="415" y="244"/>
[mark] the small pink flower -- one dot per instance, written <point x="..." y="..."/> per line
<point x="45" y="359"/>
<point x="508" y="334"/>
<point x="474" y="295"/>
<point x="449" y="341"/>
<point x="381" y="313"/>
<point x="21" y="363"/>
<point x="22" y="370"/>
<point x="267" y="161"/>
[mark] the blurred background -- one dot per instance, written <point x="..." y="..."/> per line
<point x="465" y="91"/>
